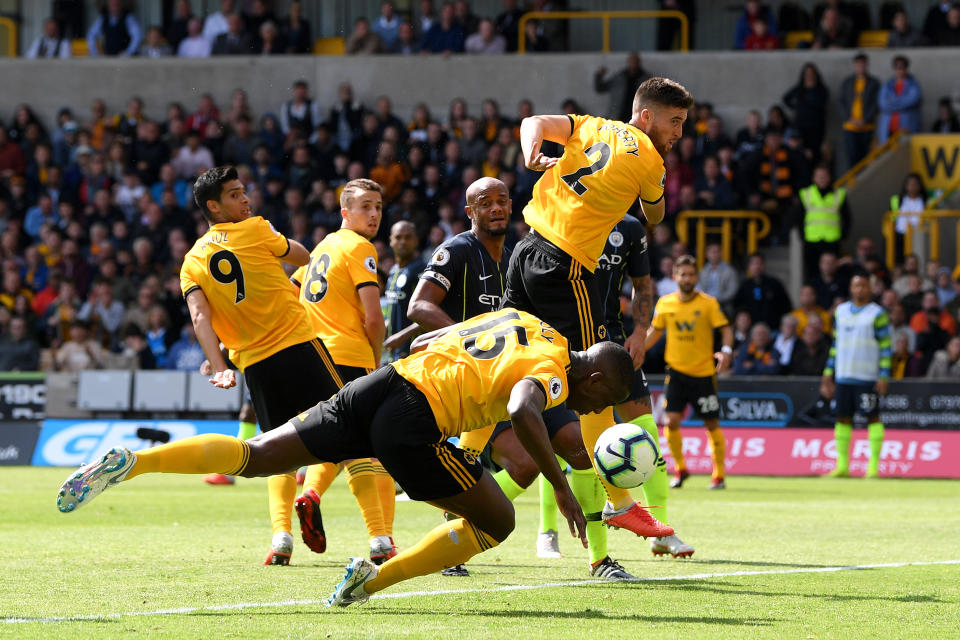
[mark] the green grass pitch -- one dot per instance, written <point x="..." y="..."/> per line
<point x="170" y="557"/>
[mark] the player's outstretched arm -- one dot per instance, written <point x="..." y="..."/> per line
<point x="399" y="338"/>
<point x="199" y="308"/>
<point x="636" y="342"/>
<point x="653" y="334"/>
<point x="534" y="130"/>
<point x="373" y="323"/>
<point x="422" y="341"/>
<point x="724" y="357"/>
<point x="297" y="255"/>
<point x="525" y="407"/>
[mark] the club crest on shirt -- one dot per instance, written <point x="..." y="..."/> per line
<point x="401" y="280"/>
<point x="555" y="387"/>
<point x="441" y="257"/>
<point x="615" y="239"/>
<point x="371" y="264"/>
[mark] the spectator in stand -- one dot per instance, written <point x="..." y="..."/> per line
<point x="760" y="38"/>
<point x="407" y="42"/>
<point x="387" y="27"/>
<point x="51" y="44"/>
<point x="947" y="121"/>
<point x="666" y="284"/>
<point x="931" y="340"/>
<point x="771" y="177"/>
<point x="713" y="190"/>
<point x="108" y="310"/>
<point x="486" y="40"/>
<point x="762" y="296"/>
<point x="154" y="45"/>
<point x="136" y="350"/>
<point x="389" y="173"/>
<point x="18" y="350"/>
<point x="238" y="147"/>
<point x="752" y="11"/>
<point x="255" y="16"/>
<point x="811" y="352"/>
<point x="269" y="42"/>
<point x="364" y="41"/>
<point x="948" y="35"/>
<point x="178" y="27"/>
<point x="911" y="199"/>
<point x="826" y="218"/>
<point x="785" y="341"/>
<point x="115" y="32"/>
<point x="904" y="363"/>
<point x="931" y="311"/>
<point x="168" y="181"/>
<point x="899" y="325"/>
<point x="12" y="289"/>
<point x="508" y="23"/>
<point x="808" y="99"/>
<point x="757" y="357"/>
<point x="148" y="152"/>
<point x="235" y="41"/>
<point x="427" y="17"/>
<point x="810" y="309"/>
<point x="465" y="17"/>
<point x="858" y="104"/>
<point x="295" y="30"/>
<point x="678" y="175"/>
<point x="192" y="158"/>
<point x="750" y="137"/>
<point x="534" y="39"/>
<point x="718" y="278"/>
<point x="186" y="354"/>
<point x="946" y="362"/>
<point x="709" y="142"/>
<point x="903" y="35"/>
<point x="668" y="29"/>
<point x="346" y="117"/>
<point x="138" y="314"/>
<point x="445" y="35"/>
<point x="621" y="86"/>
<point x="217" y="24"/>
<point x="79" y="352"/>
<point x="12" y="162"/>
<point x="834" y="31"/>
<point x="829" y="283"/>
<point x="301" y="113"/>
<point x="899" y="102"/>
<point x="40" y="214"/>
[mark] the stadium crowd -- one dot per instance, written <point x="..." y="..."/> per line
<point x="96" y="210"/>
<point x="254" y="28"/>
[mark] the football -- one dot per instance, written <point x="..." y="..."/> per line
<point x="625" y="455"/>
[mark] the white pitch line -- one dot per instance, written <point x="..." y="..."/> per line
<point x="516" y="587"/>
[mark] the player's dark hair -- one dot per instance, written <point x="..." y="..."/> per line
<point x="661" y="92"/>
<point x="209" y="186"/>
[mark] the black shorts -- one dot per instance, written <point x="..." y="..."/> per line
<point x="856" y="398"/>
<point x="384" y="416"/>
<point x="290" y="381"/>
<point x="682" y="390"/>
<point x="544" y="280"/>
<point x="349" y="374"/>
<point x="554" y="419"/>
<point x="639" y="389"/>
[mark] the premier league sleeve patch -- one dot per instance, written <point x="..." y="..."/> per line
<point x="371" y="264"/>
<point x="441" y="257"/>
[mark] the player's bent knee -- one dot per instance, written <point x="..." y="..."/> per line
<point x="568" y="443"/>
<point x="522" y="471"/>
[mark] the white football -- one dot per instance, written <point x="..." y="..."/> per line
<point x="625" y="455"/>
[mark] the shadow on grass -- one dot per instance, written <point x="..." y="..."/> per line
<point x="758" y="563"/>
<point x="588" y="614"/>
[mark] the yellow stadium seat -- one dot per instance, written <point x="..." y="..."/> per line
<point x="329" y="46"/>
<point x="793" y="38"/>
<point x="79" y="48"/>
<point x="874" y="39"/>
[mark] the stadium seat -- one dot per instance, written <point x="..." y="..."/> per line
<point x="793" y="39"/>
<point x="203" y="396"/>
<point x="79" y="48"/>
<point x="105" y="390"/>
<point x="873" y="39"/>
<point x="159" y="390"/>
<point x="329" y="46"/>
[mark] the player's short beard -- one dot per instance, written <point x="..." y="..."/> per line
<point x="686" y="288"/>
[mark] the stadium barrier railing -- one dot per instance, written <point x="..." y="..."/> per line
<point x="8" y="37"/>
<point x="929" y="225"/>
<point x="605" y="16"/>
<point x="849" y="179"/>
<point x="758" y="227"/>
